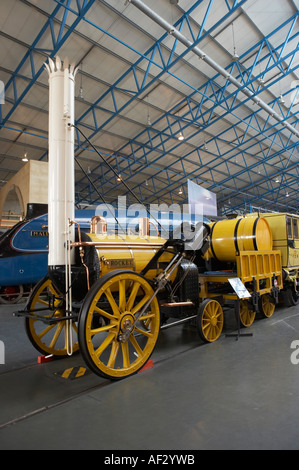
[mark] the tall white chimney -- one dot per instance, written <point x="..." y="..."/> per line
<point x="61" y="193"/>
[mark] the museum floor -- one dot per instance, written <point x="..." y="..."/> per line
<point x="237" y="393"/>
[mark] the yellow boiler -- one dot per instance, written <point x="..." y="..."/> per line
<point x="230" y="237"/>
<point x="128" y="252"/>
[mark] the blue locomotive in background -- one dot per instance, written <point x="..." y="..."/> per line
<point x="24" y="251"/>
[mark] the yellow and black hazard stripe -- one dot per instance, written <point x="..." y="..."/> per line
<point x="72" y="373"/>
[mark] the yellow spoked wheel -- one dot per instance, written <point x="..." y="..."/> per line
<point x="46" y="333"/>
<point x="210" y="320"/>
<point x="115" y="342"/>
<point x="246" y="312"/>
<point x="266" y="306"/>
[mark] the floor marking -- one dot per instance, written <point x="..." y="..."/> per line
<point x="72" y="373"/>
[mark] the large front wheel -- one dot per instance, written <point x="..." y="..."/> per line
<point x="114" y="341"/>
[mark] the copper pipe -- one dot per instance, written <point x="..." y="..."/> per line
<point x="178" y="304"/>
<point x="94" y="221"/>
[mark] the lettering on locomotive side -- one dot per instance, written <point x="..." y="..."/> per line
<point x="39" y="233"/>
<point x="120" y="263"/>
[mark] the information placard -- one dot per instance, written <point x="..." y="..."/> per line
<point x="239" y="288"/>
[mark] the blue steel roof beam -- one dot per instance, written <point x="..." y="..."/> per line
<point x="265" y="158"/>
<point x="152" y="50"/>
<point x="239" y="202"/>
<point x="148" y="165"/>
<point x="271" y="188"/>
<point x="178" y="184"/>
<point x="259" y="128"/>
<point x="215" y="105"/>
<point x="147" y="56"/>
<point x="231" y="10"/>
<point x="57" y="44"/>
<point x="262" y="199"/>
<point x="216" y="159"/>
<point x="281" y="171"/>
<point x="187" y="43"/>
<point x="208" y="170"/>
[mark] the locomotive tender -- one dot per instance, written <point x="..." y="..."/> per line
<point x="109" y="296"/>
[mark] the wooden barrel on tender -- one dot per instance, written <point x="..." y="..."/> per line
<point x="230" y="237"/>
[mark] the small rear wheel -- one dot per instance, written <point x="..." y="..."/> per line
<point x="210" y="320"/>
<point x="266" y="306"/>
<point x="247" y="314"/>
<point x="11" y="294"/>
<point x="291" y="297"/>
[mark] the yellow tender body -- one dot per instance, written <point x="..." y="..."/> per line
<point x="284" y="228"/>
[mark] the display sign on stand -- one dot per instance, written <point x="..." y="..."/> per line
<point x="239" y="288"/>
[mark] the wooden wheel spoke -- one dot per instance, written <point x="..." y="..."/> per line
<point x="112" y="302"/>
<point x="43" y="302"/>
<point x="122" y="295"/>
<point x="110" y="337"/>
<point x="125" y="353"/>
<point x="132" y="296"/>
<point x="140" y="304"/>
<point x="48" y="338"/>
<point x="146" y="316"/>
<point x="101" y="329"/>
<point x="105" y="314"/>
<point x="45" y="331"/>
<point x="144" y="332"/>
<point x="57" y="334"/>
<point x="113" y="354"/>
<point x="136" y="345"/>
<point x="206" y="325"/>
<point x="210" y="320"/>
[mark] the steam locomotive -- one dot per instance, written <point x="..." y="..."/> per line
<point x="125" y="290"/>
<point x="110" y="296"/>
